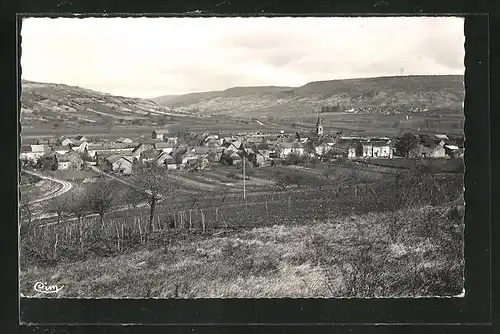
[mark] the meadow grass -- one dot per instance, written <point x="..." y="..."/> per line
<point x="354" y="256"/>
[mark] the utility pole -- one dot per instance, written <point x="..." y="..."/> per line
<point x="244" y="179"/>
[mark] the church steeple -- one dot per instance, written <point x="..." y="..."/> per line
<point x="319" y="127"/>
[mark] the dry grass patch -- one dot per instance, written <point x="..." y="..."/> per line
<point x="351" y="257"/>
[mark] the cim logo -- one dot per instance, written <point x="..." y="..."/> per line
<point x="44" y="288"/>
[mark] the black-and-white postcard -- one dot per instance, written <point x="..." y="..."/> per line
<point x="242" y="157"/>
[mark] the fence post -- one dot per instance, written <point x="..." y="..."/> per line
<point x="55" y="246"/>
<point x="202" y="220"/>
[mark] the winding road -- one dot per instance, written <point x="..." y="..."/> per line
<point x="65" y="187"/>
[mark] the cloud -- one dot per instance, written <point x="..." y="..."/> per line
<point x="147" y="57"/>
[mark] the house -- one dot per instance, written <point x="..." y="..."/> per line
<point x="149" y="155"/>
<point x="345" y="148"/>
<point x="212" y="143"/>
<point x="218" y="156"/>
<point x="442" y="137"/>
<point x="211" y="137"/>
<point x="79" y="146"/>
<point x="377" y="149"/>
<point x="454" y="151"/>
<point x="32" y="152"/>
<point x="288" y="148"/>
<point x="166" y="160"/>
<point x="160" y="134"/>
<point x="188" y="156"/>
<point x="428" y="150"/>
<point x="69" y="161"/>
<point x="172" y="140"/>
<point x="120" y="164"/>
<point x="124" y="140"/>
<point x="164" y="146"/>
<point x="322" y="148"/>
<point x="197" y="164"/>
<point x="65" y="142"/>
<point x="235" y="146"/>
<point x="202" y="151"/>
<point x="136" y="152"/>
<point x="81" y="138"/>
<point x="235" y="157"/>
<point x="60" y="149"/>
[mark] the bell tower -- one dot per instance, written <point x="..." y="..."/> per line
<point x="319" y="127"/>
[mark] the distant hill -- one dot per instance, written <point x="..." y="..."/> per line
<point x="402" y="93"/>
<point x="52" y="103"/>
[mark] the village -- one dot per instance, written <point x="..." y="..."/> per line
<point x="200" y="151"/>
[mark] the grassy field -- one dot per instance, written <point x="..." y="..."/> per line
<point x="433" y="165"/>
<point x="357" y="256"/>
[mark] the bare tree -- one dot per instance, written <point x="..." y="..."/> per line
<point x="134" y="197"/>
<point x="152" y="180"/>
<point x="221" y="192"/>
<point x="109" y="122"/>
<point x="60" y="206"/>
<point x="100" y="197"/>
<point x="77" y="204"/>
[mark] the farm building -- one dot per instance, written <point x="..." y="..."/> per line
<point x="60" y="149"/>
<point x="160" y="134"/>
<point x="165" y="147"/>
<point x="166" y="160"/>
<point x="346" y="148"/>
<point x="120" y="164"/>
<point x="66" y="142"/>
<point x="136" y="152"/>
<point x="171" y="140"/>
<point x="322" y="148"/>
<point x="454" y="151"/>
<point x="124" y="140"/>
<point x="212" y="143"/>
<point x="442" y="137"/>
<point x="81" y="138"/>
<point x="285" y="149"/>
<point x="33" y="152"/>
<point x="188" y="156"/>
<point x="69" y="161"/>
<point x="149" y="155"/>
<point x="377" y="149"/>
<point x="79" y="146"/>
<point x="428" y="151"/>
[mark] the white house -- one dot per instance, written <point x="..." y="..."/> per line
<point x="165" y="147"/>
<point x="322" y="148"/>
<point x="377" y="149"/>
<point x="442" y="137"/>
<point x="287" y="148"/>
<point x="188" y="156"/>
<point x="32" y="152"/>
<point x="80" y="146"/>
<point x="124" y="140"/>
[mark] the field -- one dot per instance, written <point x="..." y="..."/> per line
<point x="350" y="257"/>
<point x="433" y="165"/>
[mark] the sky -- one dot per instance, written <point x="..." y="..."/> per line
<point x="151" y="57"/>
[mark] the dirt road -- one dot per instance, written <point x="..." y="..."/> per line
<point x="65" y="187"/>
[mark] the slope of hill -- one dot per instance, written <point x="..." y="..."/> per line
<point x="401" y="93"/>
<point x="52" y="103"/>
